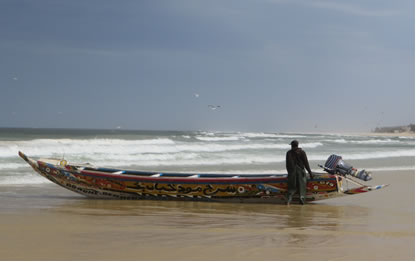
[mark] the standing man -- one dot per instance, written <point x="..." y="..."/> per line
<point x="296" y="162"/>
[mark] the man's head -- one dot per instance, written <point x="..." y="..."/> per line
<point x="294" y="144"/>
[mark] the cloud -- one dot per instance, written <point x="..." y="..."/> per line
<point x="345" y="7"/>
<point x="351" y="9"/>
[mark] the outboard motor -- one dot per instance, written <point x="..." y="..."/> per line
<point x="335" y="165"/>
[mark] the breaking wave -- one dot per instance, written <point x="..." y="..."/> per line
<point x="368" y="142"/>
<point x="54" y="147"/>
<point x="25" y="179"/>
<point x="213" y="152"/>
<point x="6" y="166"/>
<point x="232" y="138"/>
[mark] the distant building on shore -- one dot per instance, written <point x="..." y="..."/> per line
<point x="395" y="129"/>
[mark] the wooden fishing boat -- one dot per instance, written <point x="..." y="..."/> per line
<point x="96" y="182"/>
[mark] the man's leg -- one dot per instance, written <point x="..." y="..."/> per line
<point x="302" y="185"/>
<point x="291" y="187"/>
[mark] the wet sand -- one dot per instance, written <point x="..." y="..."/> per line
<point x="46" y="222"/>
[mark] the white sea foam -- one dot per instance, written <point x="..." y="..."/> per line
<point x="268" y="135"/>
<point x="47" y="147"/>
<point x="341" y="141"/>
<point x="26" y="179"/>
<point x="218" y="161"/>
<point x="380" y="154"/>
<point x="366" y="155"/>
<point x="5" y="166"/>
<point x="168" y="152"/>
<point x="210" y="151"/>
<point x="369" y="142"/>
<point x="231" y="138"/>
<point x="207" y="133"/>
<point x="54" y="147"/>
<point x="228" y="159"/>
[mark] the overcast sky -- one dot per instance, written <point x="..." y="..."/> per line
<point x="272" y="65"/>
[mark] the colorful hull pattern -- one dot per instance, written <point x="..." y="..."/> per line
<point x="107" y="183"/>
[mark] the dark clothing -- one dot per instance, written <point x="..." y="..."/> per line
<point x="296" y="180"/>
<point x="296" y="162"/>
<point x="297" y="157"/>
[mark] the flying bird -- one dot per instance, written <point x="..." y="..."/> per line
<point x="212" y="107"/>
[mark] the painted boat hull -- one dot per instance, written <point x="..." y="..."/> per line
<point x="122" y="184"/>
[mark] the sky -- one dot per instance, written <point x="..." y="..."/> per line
<point x="271" y="65"/>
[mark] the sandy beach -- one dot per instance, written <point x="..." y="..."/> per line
<point x="51" y="223"/>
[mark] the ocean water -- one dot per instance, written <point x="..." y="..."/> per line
<point x="200" y="151"/>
